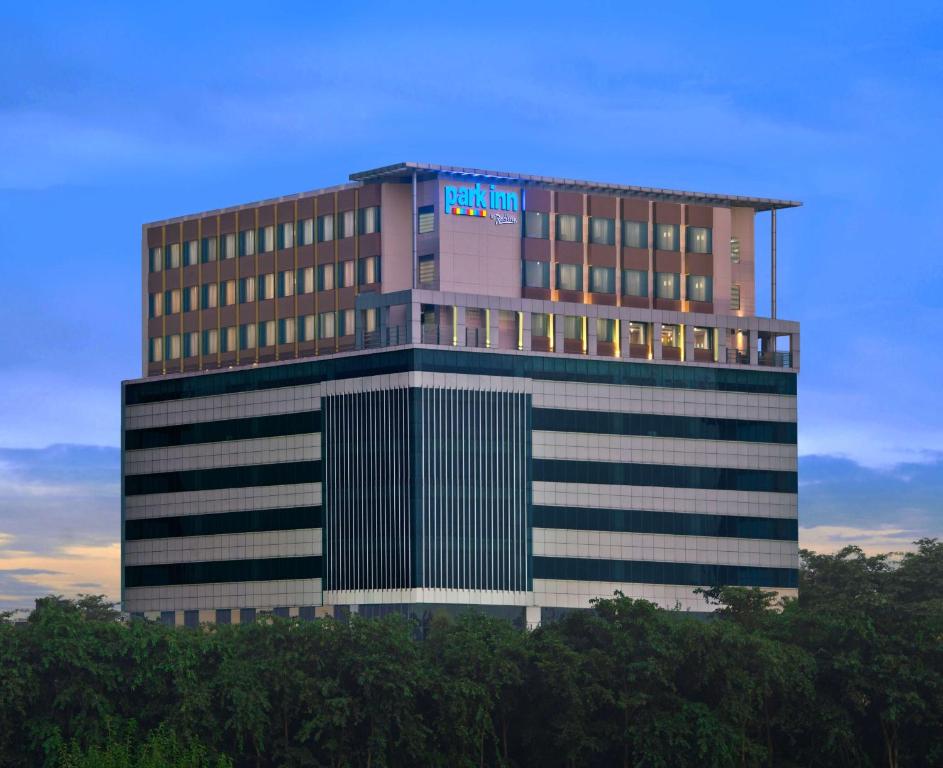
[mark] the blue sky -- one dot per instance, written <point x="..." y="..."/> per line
<point x="113" y="115"/>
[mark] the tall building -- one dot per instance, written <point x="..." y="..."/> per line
<point x="437" y="386"/>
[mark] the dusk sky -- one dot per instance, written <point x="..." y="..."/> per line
<point x="115" y="115"/>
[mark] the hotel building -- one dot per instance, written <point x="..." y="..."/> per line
<point x="435" y="386"/>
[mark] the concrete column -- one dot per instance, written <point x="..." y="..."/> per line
<point x="460" y="325"/>
<point x="753" y="339"/>
<point x="558" y="333"/>
<point x="688" y="343"/>
<point x="414" y="322"/>
<point x="624" y="338"/>
<point x="532" y="616"/>
<point x="721" y="344"/>
<point x="794" y="349"/>
<point x="591" y="340"/>
<point x="656" y="340"/>
<point x="528" y="333"/>
<point x="493" y="316"/>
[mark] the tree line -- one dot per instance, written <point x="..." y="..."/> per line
<point x="850" y="674"/>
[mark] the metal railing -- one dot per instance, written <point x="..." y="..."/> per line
<point x="776" y="359"/>
<point x="736" y="357"/>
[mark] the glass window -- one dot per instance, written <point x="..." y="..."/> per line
<point x="247" y="242"/>
<point x="266" y="335"/>
<point x="735" y="296"/>
<point x="369" y="220"/>
<point x="247" y="334"/>
<point x="427" y="270"/>
<point x="602" y="280"/>
<point x="172" y="301"/>
<point x="227" y="293"/>
<point x="540" y="324"/>
<point x="191" y="298"/>
<point x="426" y="219"/>
<point x="536" y="224"/>
<point x="700" y="288"/>
<point x="703" y="338"/>
<point x="638" y="333"/>
<point x="210" y="342"/>
<point x="246" y="289"/>
<point x="670" y="335"/>
<point x="155" y="349"/>
<point x="536" y="274"/>
<point x="172" y="256"/>
<point x="326" y="325"/>
<point x="172" y="347"/>
<point x="286" y="283"/>
<point x="666" y="237"/>
<point x="227" y="341"/>
<point x="266" y="239"/>
<point x="699" y="239"/>
<point x="306" y="328"/>
<point x="191" y="344"/>
<point x="267" y="286"/>
<point x="667" y="285"/>
<point x="345" y="322"/>
<point x="572" y="327"/>
<point x="208" y="295"/>
<point x="155" y="304"/>
<point x="286" y="235"/>
<point x="635" y="234"/>
<point x="569" y="227"/>
<point x="735" y="250"/>
<point x="326" y="228"/>
<point x="228" y="244"/>
<point x="286" y="330"/>
<point x="370" y="320"/>
<point x="155" y="260"/>
<point x="602" y="231"/>
<point x="306" y="232"/>
<point x="369" y="268"/>
<point x="346" y="274"/>
<point x="325" y="277"/>
<point x="191" y="253"/>
<point x="634" y="282"/>
<point x="570" y="277"/>
<point x="345" y="224"/>
<point x="208" y="249"/>
<point x="605" y="329"/>
<point x="304" y="280"/>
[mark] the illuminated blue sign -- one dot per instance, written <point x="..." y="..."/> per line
<point x="475" y="201"/>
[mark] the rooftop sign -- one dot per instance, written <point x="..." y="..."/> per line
<point x="479" y="202"/>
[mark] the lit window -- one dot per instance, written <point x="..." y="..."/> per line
<point x="172" y="347"/>
<point x="427" y="270"/>
<point x="286" y="235"/>
<point x="304" y="280"/>
<point x="286" y="283"/>
<point x="208" y="295"/>
<point x="667" y="285"/>
<point x="171" y="301"/>
<point x="735" y="296"/>
<point x="326" y="277"/>
<point x="247" y="242"/>
<point x="634" y="282"/>
<point x="191" y="298"/>
<point x="228" y="246"/>
<point x="172" y="256"/>
<point x="370" y="320"/>
<point x="536" y="274"/>
<point x="735" y="250"/>
<point x="536" y="224"/>
<point x="345" y="322"/>
<point x="155" y="259"/>
<point x="306" y="232"/>
<point x="266" y="239"/>
<point x="703" y="338"/>
<point x="602" y="280"/>
<point x="227" y="341"/>
<point x="155" y="304"/>
<point x="540" y="324"/>
<point x="267" y="286"/>
<point x="635" y="234"/>
<point x="286" y="330"/>
<point x="605" y="329"/>
<point x="345" y="224"/>
<point x="246" y="290"/>
<point x="569" y="227"/>
<point x="227" y="293"/>
<point x="670" y="335"/>
<point x="326" y="228"/>
<point x="699" y="239"/>
<point x="369" y="220"/>
<point x="156" y="349"/>
<point x="369" y="268"/>
<point x="700" y="288"/>
<point x="570" y="277"/>
<point x="191" y="253"/>
<point x="266" y="333"/>
<point x="346" y="274"/>
<point x="638" y="333"/>
<point x="208" y="249"/>
<point x="191" y="344"/>
<point x="247" y="336"/>
<point x="602" y="231"/>
<point x="572" y="327"/>
<point x="210" y="342"/>
<point x="326" y="325"/>
<point x="426" y="222"/>
<point x="306" y="328"/>
<point x="666" y="237"/>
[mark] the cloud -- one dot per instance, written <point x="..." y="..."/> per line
<point x="831" y="538"/>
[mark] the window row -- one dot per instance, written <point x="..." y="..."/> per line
<point x="287" y="330"/>
<point x="248" y="242"/>
<point x="607" y="329"/>
<point x="325" y="277"/>
<point x="602" y="231"/>
<point x="536" y="274"/>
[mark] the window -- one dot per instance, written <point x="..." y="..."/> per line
<point x="540" y="324"/>
<point x="171" y="301"/>
<point x="369" y="269"/>
<point x="155" y="260"/>
<point x="635" y="234"/>
<point x="266" y="335"/>
<point x="370" y="320"/>
<point x="247" y="242"/>
<point x="572" y="327"/>
<point x="638" y="333"/>
<point x="699" y="239"/>
<point x="286" y="330"/>
<point x="304" y="280"/>
<point x="345" y="274"/>
<point x="602" y="280"/>
<point x="671" y="335"/>
<point x="703" y="338"/>
<point x="228" y="245"/>
<point x="602" y="231"/>
<point x="569" y="227"/>
<point x="227" y="293"/>
<point x="266" y="239"/>
<point x="570" y="277"/>
<point x="700" y="288"/>
<point x="247" y="336"/>
<point x="605" y="329"/>
<point x="191" y="298"/>
<point x="172" y="256"/>
<point x="536" y="274"/>
<point x="227" y="341"/>
<point x="172" y="347"/>
<point x="325" y="277"/>
<point x="666" y="237"/>
<point x="735" y="250"/>
<point x="345" y="322"/>
<point x="191" y="253"/>
<point x="306" y="232"/>
<point x="155" y="350"/>
<point x="326" y="228"/>
<point x="427" y="270"/>
<point x="426" y="222"/>
<point x="210" y="342"/>
<point x="667" y="285"/>
<point x="208" y="249"/>
<point x="345" y="224"/>
<point x="267" y="286"/>
<point x="155" y="304"/>
<point x="286" y="235"/>
<point x="369" y="220"/>
<point x="735" y="296"/>
<point x="306" y="328"/>
<point x="208" y="295"/>
<point x="246" y="290"/>
<point x="326" y="325"/>
<point x="286" y="283"/>
<point x="634" y="282"/>
<point x="536" y="224"/>
<point x="191" y="344"/>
